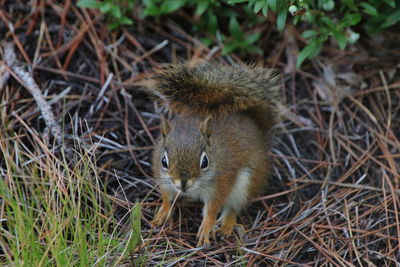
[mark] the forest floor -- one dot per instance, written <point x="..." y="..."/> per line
<point x="333" y="199"/>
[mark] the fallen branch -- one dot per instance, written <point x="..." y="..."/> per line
<point x="4" y="74"/>
<point x="26" y="79"/>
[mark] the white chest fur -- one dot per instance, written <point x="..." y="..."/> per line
<point x="202" y="190"/>
<point x="238" y="197"/>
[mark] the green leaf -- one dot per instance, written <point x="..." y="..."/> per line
<point x="258" y="6"/>
<point x="89" y="3"/>
<point x="272" y="4"/>
<point x="355" y="19"/>
<point x="281" y="20"/>
<point x="252" y="38"/>
<point x="136" y="229"/>
<point x="170" y="6"/>
<point x="317" y="49"/>
<point x="391" y="3"/>
<point x="311" y="50"/>
<point x="130" y="6"/>
<point x="369" y="9"/>
<point x="237" y="1"/>
<point x="226" y="12"/>
<point x="308" y="34"/>
<point x="116" y="11"/>
<point x="148" y="2"/>
<point x="340" y="38"/>
<point x="391" y="19"/>
<point x="296" y="20"/>
<point x="328" y="22"/>
<point x="228" y="48"/>
<point x="235" y="28"/>
<point x="114" y="25"/>
<point x="125" y="21"/>
<point x="265" y="9"/>
<point x="152" y="11"/>
<point x="310" y="17"/>
<point x="350" y="19"/>
<point x="201" y="7"/>
<point x="212" y="22"/>
<point x="207" y="41"/>
<point x="350" y="4"/>
<point x="105" y="7"/>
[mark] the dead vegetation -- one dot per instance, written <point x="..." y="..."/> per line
<point x="333" y="199"/>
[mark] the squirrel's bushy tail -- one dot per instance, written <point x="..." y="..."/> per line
<point x="216" y="89"/>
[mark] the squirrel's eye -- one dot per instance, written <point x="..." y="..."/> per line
<point x="203" y="161"/>
<point x="164" y="161"/>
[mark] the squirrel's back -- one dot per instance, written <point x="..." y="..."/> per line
<point x="215" y="89"/>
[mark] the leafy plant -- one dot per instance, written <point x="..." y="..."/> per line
<point x="264" y="6"/>
<point x="232" y="22"/>
<point x="327" y="27"/>
<point x="329" y="19"/>
<point x="245" y="43"/>
<point x="116" y="10"/>
<point x="383" y="14"/>
<point x="209" y="14"/>
<point x="161" y="7"/>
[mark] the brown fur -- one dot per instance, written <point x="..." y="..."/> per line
<point x="216" y="89"/>
<point x="227" y="114"/>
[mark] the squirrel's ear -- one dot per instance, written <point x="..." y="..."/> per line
<point x="164" y="127"/>
<point x="205" y="127"/>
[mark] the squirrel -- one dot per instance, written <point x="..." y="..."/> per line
<point x="215" y="148"/>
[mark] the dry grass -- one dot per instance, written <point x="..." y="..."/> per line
<point x="333" y="199"/>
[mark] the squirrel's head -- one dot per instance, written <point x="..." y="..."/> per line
<point x="183" y="157"/>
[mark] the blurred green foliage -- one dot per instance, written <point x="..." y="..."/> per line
<point x="117" y="11"/>
<point x="236" y="23"/>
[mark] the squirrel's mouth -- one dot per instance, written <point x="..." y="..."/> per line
<point x="184" y="191"/>
<point x="184" y="186"/>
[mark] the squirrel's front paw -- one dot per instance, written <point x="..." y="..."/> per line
<point x="203" y="235"/>
<point x="161" y="217"/>
<point x="228" y="224"/>
<point x="227" y="230"/>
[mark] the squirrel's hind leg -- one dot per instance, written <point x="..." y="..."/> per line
<point x="165" y="211"/>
